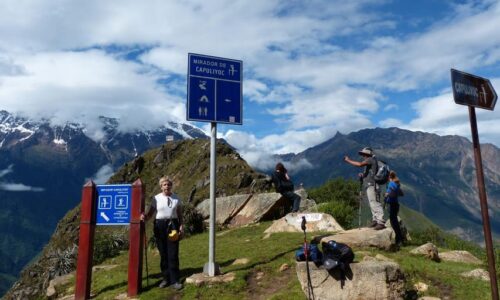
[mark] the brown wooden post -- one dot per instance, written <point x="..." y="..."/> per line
<point x="86" y="242"/>
<point x="484" y="204"/>
<point x="136" y="239"/>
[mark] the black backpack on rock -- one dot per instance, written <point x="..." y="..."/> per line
<point x="336" y="255"/>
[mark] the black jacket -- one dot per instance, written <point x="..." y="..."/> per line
<point x="282" y="184"/>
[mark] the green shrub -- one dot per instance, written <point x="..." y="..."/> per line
<point x="339" y="198"/>
<point x="193" y="220"/>
<point x="343" y="214"/>
<point x="109" y="244"/>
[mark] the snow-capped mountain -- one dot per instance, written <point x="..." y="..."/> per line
<point x="42" y="170"/>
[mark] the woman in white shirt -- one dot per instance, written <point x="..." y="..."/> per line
<point x="168" y="229"/>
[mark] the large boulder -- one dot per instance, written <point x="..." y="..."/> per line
<point x="315" y="222"/>
<point x="267" y="206"/>
<point x="226" y="207"/>
<point x="239" y="210"/>
<point x="363" y="237"/>
<point x="365" y="280"/>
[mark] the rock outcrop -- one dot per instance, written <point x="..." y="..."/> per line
<point x="316" y="222"/>
<point x="240" y="210"/>
<point x="365" y="280"/>
<point x="428" y="250"/>
<point x="460" y="256"/>
<point x="363" y="237"/>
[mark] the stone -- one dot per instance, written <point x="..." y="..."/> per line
<point x="316" y="222"/>
<point x="259" y="276"/>
<point x="58" y="281"/>
<point x="363" y="237"/>
<point x="460" y="256"/>
<point x="421" y="287"/>
<point x="428" y="250"/>
<point x="478" y="274"/>
<point x="284" y="267"/>
<point x="383" y="258"/>
<point x="365" y="280"/>
<point x="429" y="298"/>
<point x="200" y="279"/>
<point x="103" y="267"/>
<point x="124" y="296"/>
<point x="241" y="261"/>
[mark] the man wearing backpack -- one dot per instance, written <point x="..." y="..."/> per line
<point x="369" y="164"/>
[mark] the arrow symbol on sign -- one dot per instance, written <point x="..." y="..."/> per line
<point x="227" y="100"/>
<point x="103" y="215"/>
<point x="204" y="99"/>
<point x="202" y="85"/>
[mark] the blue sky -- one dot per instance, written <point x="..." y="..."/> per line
<point x="311" y="68"/>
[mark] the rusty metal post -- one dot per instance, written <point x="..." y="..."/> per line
<point x="136" y="239"/>
<point x="484" y="204"/>
<point x="86" y="242"/>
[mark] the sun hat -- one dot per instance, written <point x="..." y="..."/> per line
<point x="366" y="151"/>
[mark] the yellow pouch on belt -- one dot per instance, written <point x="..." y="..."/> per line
<point x="173" y="235"/>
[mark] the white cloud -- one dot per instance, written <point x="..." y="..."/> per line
<point x="81" y="86"/>
<point x="391" y="122"/>
<point x="19" y="187"/>
<point x="16" y="187"/>
<point x="296" y="70"/>
<point x="6" y="171"/>
<point x="259" y="152"/>
<point x="442" y="116"/>
<point x="103" y="174"/>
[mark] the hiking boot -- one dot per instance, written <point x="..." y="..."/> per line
<point x="379" y="227"/>
<point x="176" y="286"/>
<point x="373" y="224"/>
<point x="163" y="284"/>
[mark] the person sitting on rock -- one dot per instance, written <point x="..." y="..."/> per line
<point x="284" y="186"/>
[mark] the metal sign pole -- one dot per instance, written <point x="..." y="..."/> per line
<point x="211" y="268"/>
<point x="484" y="204"/>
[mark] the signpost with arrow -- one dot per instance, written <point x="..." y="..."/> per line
<point x="475" y="91"/>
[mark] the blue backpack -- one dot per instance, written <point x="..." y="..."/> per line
<point x="315" y="254"/>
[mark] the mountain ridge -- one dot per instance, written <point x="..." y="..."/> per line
<point x="437" y="171"/>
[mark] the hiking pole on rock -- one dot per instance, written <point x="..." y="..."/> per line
<point x="310" y="293"/>
<point x="146" y="256"/>
<point x="360" y="198"/>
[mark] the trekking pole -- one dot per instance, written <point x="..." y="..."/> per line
<point x="360" y="198"/>
<point x="146" y="255"/>
<point x="310" y="293"/>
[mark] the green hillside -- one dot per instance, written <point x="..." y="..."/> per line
<point x="261" y="278"/>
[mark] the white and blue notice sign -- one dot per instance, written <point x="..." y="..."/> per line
<point x="113" y="204"/>
<point x="214" y="92"/>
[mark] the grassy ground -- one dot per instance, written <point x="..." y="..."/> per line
<point x="261" y="278"/>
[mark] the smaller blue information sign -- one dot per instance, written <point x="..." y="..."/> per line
<point x="113" y="204"/>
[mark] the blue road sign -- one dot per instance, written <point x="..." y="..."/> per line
<point x="113" y="204"/>
<point x="214" y="92"/>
